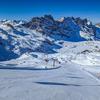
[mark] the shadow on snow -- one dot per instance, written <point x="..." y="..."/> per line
<point x="25" y="68"/>
<point x="61" y="84"/>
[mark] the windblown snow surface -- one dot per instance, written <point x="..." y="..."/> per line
<point x="47" y="59"/>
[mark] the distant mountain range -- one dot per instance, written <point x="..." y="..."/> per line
<point x="98" y="24"/>
<point x="43" y="34"/>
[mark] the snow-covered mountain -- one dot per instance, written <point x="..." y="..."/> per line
<point x="98" y="25"/>
<point x="30" y="51"/>
<point x="74" y="29"/>
<point x="43" y="35"/>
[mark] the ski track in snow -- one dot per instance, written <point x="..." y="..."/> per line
<point x="68" y="82"/>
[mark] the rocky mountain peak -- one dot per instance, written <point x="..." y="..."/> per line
<point x="41" y="34"/>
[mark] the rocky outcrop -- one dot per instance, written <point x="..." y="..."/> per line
<point x="43" y="34"/>
<point x="66" y="26"/>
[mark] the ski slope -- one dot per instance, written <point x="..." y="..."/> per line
<point x="69" y="82"/>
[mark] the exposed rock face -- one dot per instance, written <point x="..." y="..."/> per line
<point x="67" y="26"/>
<point x="42" y="34"/>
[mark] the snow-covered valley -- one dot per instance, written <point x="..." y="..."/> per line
<point x="48" y="59"/>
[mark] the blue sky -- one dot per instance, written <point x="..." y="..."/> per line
<point x="26" y="9"/>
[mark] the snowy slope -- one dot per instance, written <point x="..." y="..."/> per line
<point x="48" y="59"/>
<point x="42" y="34"/>
<point x="17" y="40"/>
<point x="68" y="82"/>
<point x="44" y="39"/>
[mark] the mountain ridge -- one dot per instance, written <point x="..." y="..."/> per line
<point x="43" y="34"/>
